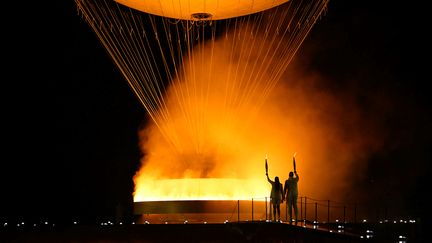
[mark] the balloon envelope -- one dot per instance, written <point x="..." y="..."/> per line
<point x="189" y="9"/>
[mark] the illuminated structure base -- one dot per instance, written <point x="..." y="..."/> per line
<point x="201" y="211"/>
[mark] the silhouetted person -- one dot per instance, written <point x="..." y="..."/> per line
<point x="276" y="196"/>
<point x="290" y="193"/>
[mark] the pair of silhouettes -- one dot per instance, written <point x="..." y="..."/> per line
<point x="289" y="192"/>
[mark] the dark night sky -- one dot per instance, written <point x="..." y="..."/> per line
<point x="72" y="120"/>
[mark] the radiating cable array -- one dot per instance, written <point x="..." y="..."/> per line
<point x="180" y="70"/>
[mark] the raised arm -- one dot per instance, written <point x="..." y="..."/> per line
<point x="268" y="179"/>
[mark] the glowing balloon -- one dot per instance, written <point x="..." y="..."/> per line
<point x="201" y="9"/>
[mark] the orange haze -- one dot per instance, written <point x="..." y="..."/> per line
<point x="219" y="130"/>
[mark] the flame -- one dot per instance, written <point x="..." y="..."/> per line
<point x="208" y="148"/>
<point x="200" y="189"/>
<point x="211" y="144"/>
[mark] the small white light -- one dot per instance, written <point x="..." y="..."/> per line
<point x="46" y="222"/>
<point x="121" y="223"/>
<point x="134" y="222"/>
<point x="205" y="222"/>
<point x="75" y="222"/>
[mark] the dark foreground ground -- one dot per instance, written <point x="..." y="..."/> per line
<point x="228" y="232"/>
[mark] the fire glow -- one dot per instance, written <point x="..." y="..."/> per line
<point x="217" y="108"/>
<point x="224" y="114"/>
<point x="213" y="145"/>
<point x="224" y="159"/>
<point x="201" y="189"/>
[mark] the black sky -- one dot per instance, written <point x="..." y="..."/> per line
<point x="72" y="120"/>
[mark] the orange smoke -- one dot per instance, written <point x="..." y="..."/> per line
<point x="219" y="127"/>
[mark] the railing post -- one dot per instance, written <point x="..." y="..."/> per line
<point x="328" y="214"/>
<point x="316" y="212"/>
<point x="252" y="210"/>
<point x="305" y="218"/>
<point x="301" y="208"/>
<point x="344" y="213"/>
<point x="385" y="211"/>
<point x="238" y="211"/>
<point x="344" y="222"/>
<point x="355" y="213"/>
<point x="377" y="213"/>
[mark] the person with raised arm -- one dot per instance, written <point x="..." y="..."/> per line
<point x="290" y="193"/>
<point x="276" y="195"/>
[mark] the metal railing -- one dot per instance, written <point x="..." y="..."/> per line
<point x="316" y="213"/>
